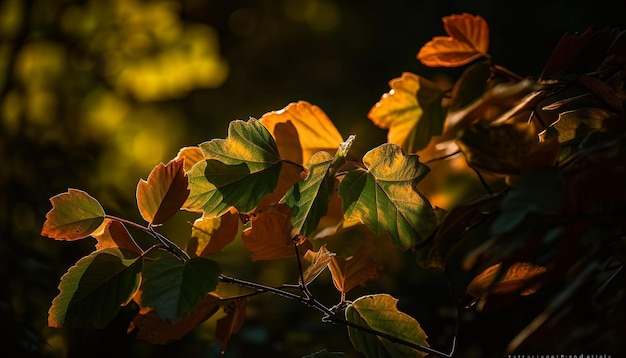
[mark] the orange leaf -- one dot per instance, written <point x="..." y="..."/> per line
<point x="164" y="193"/>
<point x="152" y="329"/>
<point x="74" y="215"/>
<point x="315" y="262"/>
<point x="353" y="271"/>
<point x="114" y="234"/>
<point x="301" y="130"/>
<point x="192" y="155"/>
<point x="232" y="323"/>
<point x="211" y="235"/>
<point x="269" y="235"/>
<point x="468" y="40"/>
<point x="514" y="279"/>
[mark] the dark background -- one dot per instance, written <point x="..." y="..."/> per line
<point x="67" y="120"/>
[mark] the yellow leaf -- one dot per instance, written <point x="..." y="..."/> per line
<point x="192" y="155"/>
<point x="467" y="40"/>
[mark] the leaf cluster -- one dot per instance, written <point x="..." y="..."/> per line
<point x="549" y="152"/>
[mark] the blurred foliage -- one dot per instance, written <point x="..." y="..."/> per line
<point x="95" y="93"/>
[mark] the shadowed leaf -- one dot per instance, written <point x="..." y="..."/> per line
<point x="113" y="233"/>
<point x="106" y="279"/>
<point x="467" y="40"/>
<point x="380" y="312"/>
<point x="232" y="323"/>
<point x="163" y="194"/>
<point x="74" y="215"/>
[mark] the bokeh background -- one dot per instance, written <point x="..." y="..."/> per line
<point x="95" y="93"/>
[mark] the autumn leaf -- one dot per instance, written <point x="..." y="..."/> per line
<point x="211" y="235"/>
<point x="164" y="193"/>
<point x="467" y="40"/>
<point x="113" y="234"/>
<point x="380" y="313"/>
<point x="192" y="155"/>
<point x="232" y="322"/>
<point x="151" y="328"/>
<point x="385" y="196"/>
<point x="412" y="111"/>
<point x="173" y="288"/>
<point x="309" y="199"/>
<point x="237" y="172"/>
<point x="580" y="122"/>
<point x="355" y="270"/>
<point x="74" y="215"/>
<point x="314" y="262"/>
<point x="301" y="130"/>
<point x="105" y="279"/>
<point x="498" y="280"/>
<point x="269" y="235"/>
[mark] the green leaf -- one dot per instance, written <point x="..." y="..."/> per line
<point x="173" y="288"/>
<point x="93" y="290"/>
<point x="237" y="172"/>
<point x="412" y="112"/>
<point x="379" y="312"/>
<point x="385" y="196"/>
<point x="309" y="199"/>
<point x="74" y="215"/>
<point x="163" y="194"/>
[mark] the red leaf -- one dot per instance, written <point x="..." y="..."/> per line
<point x="164" y="193"/>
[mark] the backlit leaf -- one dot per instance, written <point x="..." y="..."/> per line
<point x="314" y="262"/>
<point x="301" y="130"/>
<point x="211" y="235"/>
<point x="355" y="270"/>
<point x="164" y="193"/>
<point x="380" y="312"/>
<point x="269" y="235"/>
<point x="497" y="280"/>
<point x="173" y="288"/>
<point x="232" y="323"/>
<point x="151" y="328"/>
<point x="579" y="123"/>
<point x="412" y="112"/>
<point x="192" y="155"/>
<point x="74" y="215"/>
<point x="93" y="290"/>
<point x="237" y="172"/>
<point x="467" y="40"/>
<point x="385" y="196"/>
<point x="309" y="199"/>
<point x="113" y="233"/>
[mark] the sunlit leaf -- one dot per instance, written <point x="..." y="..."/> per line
<point x="355" y="270"/>
<point x="314" y="262"/>
<point x="113" y="233"/>
<point x="412" y="112"/>
<point x="309" y="199"/>
<point x="74" y="215"/>
<point x="164" y="193"/>
<point x="151" y="328"/>
<point x="211" y="235"/>
<point x="106" y="279"/>
<point x="380" y="312"/>
<point x="301" y="130"/>
<point x="385" y="196"/>
<point x="579" y="123"/>
<point x="173" y="288"/>
<point x="269" y="235"/>
<point x="232" y="323"/>
<point x="467" y="40"/>
<point x="237" y="172"/>
<point x="496" y="280"/>
<point x="506" y="148"/>
<point x="192" y="155"/>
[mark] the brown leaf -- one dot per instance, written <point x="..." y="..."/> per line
<point x="353" y="271"/>
<point x="114" y="234"/>
<point x="467" y="40"/>
<point x="164" y="193"/>
<point x="516" y="278"/>
<point x="211" y="235"/>
<point x="152" y="329"/>
<point x="232" y="323"/>
<point x="269" y="235"/>
<point x="315" y="262"/>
